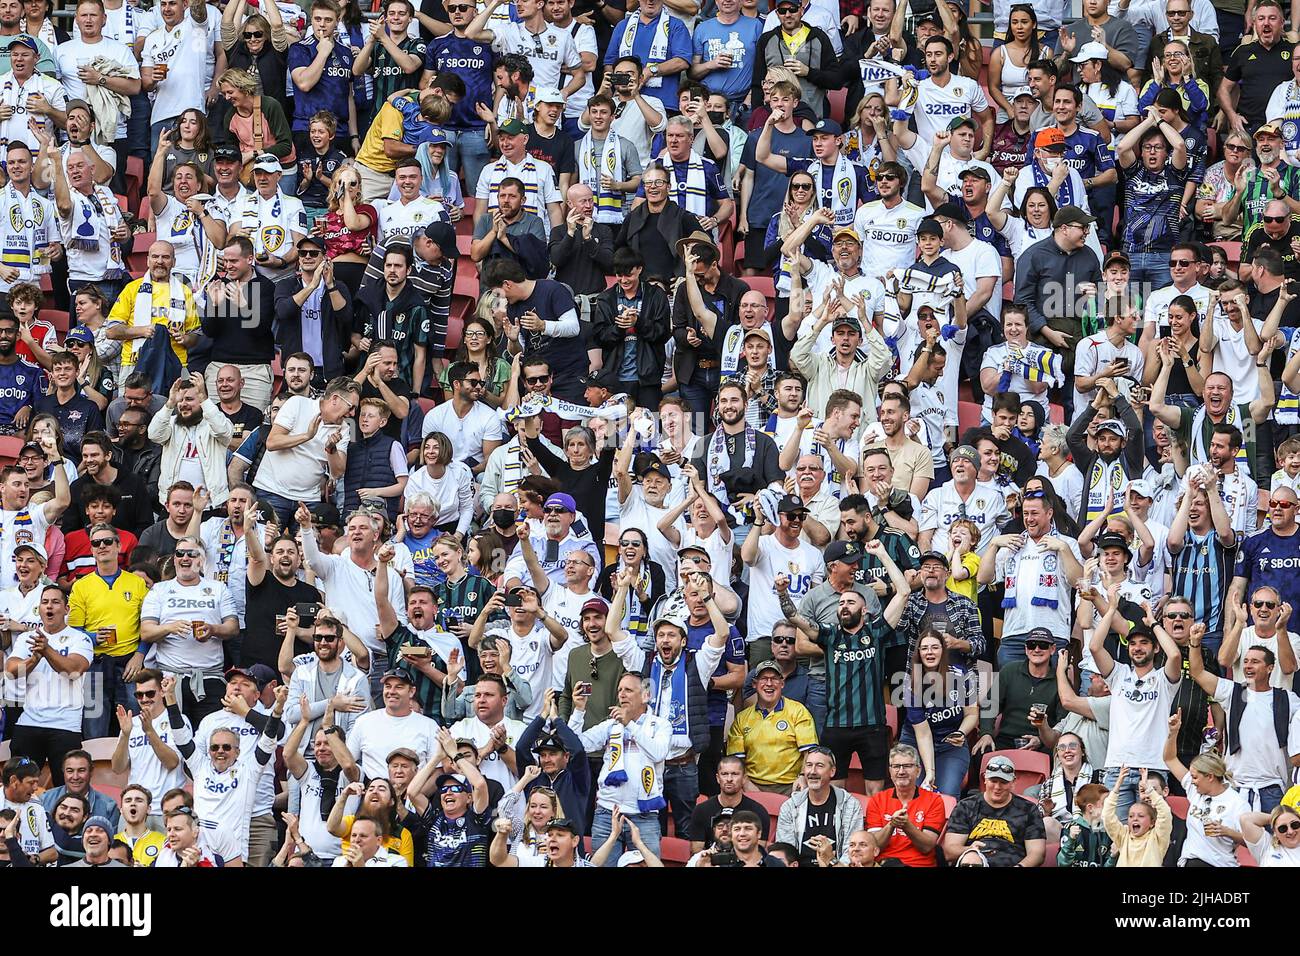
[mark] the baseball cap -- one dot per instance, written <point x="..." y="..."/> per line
<point x="791" y="504"/>
<point x="310" y="240"/>
<point x="398" y="673"/>
<point x="444" y="778"/>
<point x="549" y="741"/>
<point x="696" y="548"/>
<point x="1020" y="91"/>
<point x="1071" y="216"/>
<point x="443" y="235"/>
<point x="1049" y="138"/>
<point x="631" y="858"/>
<point x="722" y="815"/>
<point x="1039" y="634"/>
<point x="437" y="137"/>
<point x="526" y="410"/>
<point x="548" y="94"/>
<point x="1092" y="50"/>
<point x="594" y="604"/>
<point x="934" y="556"/>
<point x="564" y="823"/>
<point x="950" y="210"/>
<point x="1114" y="257"/>
<point x="405" y="752"/>
<point x="226" y="154"/>
<point x="959" y="121"/>
<point x="34" y="546"/>
<point x="1271" y="128"/>
<point x="31" y="446"/>
<point x="1140" y="486"/>
<point x="762" y="330"/>
<point x="266" y="163"/>
<point x="562" y="500"/>
<point x="26" y="40"/>
<point x="1113" y="425"/>
<point x="263" y="675"/>
<point x="768" y="666"/>
<point x="928" y="227"/>
<point x="666" y="619"/>
<point x="1112" y="539"/>
<point x="979" y="172"/>
<point x="600" y="379"/>
<point x="80" y="334"/>
<point x="1000" y="768"/>
<point x="827" y="127"/>
<point x="849" y="320"/>
<point x="846" y="231"/>
<point x="325" y="514"/>
<point x="655" y="467"/>
<point x="247" y="672"/>
<point x="511" y="127"/>
<point x="846" y="551"/>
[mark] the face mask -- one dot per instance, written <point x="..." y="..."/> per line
<point x="1051" y="164"/>
<point x="717" y="118"/>
<point x="503" y="517"/>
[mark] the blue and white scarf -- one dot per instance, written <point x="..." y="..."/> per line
<point x="693" y="194"/>
<point x="658" y="51"/>
<point x="1064" y="195"/>
<point x="674" y="709"/>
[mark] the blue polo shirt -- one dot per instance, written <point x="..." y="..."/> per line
<point x="1086" y="152"/>
<point x="679" y="45"/>
<point x="471" y="60"/>
<point x="981" y="228"/>
<point x="332" y="90"/>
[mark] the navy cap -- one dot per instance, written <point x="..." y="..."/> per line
<point x="828" y="127"/>
<point x="26" y="40"/>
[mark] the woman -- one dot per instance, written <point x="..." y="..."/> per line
<point x="478" y="344"/>
<point x="487" y="556"/>
<point x="1008" y="354"/>
<point x="378" y="803"/>
<point x="1214" y="808"/>
<point x="347" y="228"/>
<point x="942" y="714"/>
<point x="800" y="202"/>
<point x="1280" y="849"/>
<point x="259" y="46"/>
<point x="37" y="22"/>
<point x="257" y="124"/>
<point x="521" y="823"/>
<point x="45" y="430"/>
<point x="1010" y="61"/>
<point x="868" y="143"/>
<point x="957" y="28"/>
<point x="1037" y="208"/>
<point x="582" y="472"/>
<point x="1181" y="341"/>
<point x="650" y="586"/>
<point x="1221" y="183"/>
<point x="1175" y="71"/>
<point x="448" y="484"/>
<point x="91" y="308"/>
<point x="1113" y="94"/>
<point x="190" y="143"/>
<point x="93" y="380"/>
<point x="439" y="182"/>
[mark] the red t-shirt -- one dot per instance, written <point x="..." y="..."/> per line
<point x="339" y="239"/>
<point x="927" y="812"/>
<point x="43" y="333"/>
<point x="77" y="557"/>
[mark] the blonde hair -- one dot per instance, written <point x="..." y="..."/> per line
<point x="1213" y="765"/>
<point x="241" y="80"/>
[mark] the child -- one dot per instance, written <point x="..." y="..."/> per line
<point x="963" y="561"/>
<point x="1288" y="460"/>
<point x="377" y="461"/>
<point x="36" y="337"/>
<point x="316" y="168"/>
<point x="1143" y="838"/>
<point x="1029" y="426"/>
<point x="1085" y="842"/>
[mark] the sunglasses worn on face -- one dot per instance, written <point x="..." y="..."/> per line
<point x="1284" y="505"/>
<point x="102" y="543"/>
<point x="1184" y="263"/>
<point x="454" y="789"/>
<point x="308" y="253"/>
<point x="146" y="694"/>
<point x="1037" y="646"/>
<point x="1287" y="827"/>
<point x="1275" y="218"/>
<point x="254" y="35"/>
<point x="187" y="554"/>
<point x="1178" y="615"/>
<point x="794" y="186"/>
<point x="554" y="510"/>
<point x="221" y="748"/>
<point x="537" y="379"/>
<point x="783" y="640"/>
<point x="1269" y="605"/>
<point x="1236" y="147"/>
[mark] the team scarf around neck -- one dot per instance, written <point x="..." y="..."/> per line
<point x="144" y="314"/>
<point x="1064" y="195"/>
<point x="1202" y="428"/>
<point x="188" y="224"/>
<point x="720" y="461"/>
<point x="527" y="175"/>
<point x="26" y="230"/>
<point x="692" y="195"/>
<point x="658" y="46"/>
<point x="732" y="343"/>
<point x="1105" y="486"/>
<point x="673" y="709"/>
<point x="609" y="202"/>
<point x="844" y="191"/>
<point x="1045" y="589"/>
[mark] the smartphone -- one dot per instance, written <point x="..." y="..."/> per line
<point x="725" y="858"/>
<point x="306" y="613"/>
<point x="514" y="600"/>
<point x="582" y="688"/>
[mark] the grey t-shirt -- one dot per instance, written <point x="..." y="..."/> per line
<point x="98" y="866"/>
<point x="1119" y="34"/>
<point x="1089" y="116"/>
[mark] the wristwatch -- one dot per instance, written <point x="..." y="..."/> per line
<point x="654" y="69"/>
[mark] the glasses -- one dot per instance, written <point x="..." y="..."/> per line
<point x="656" y="184"/>
<point x="629" y="544"/>
<point x="324" y="638"/>
<point x="883" y="176"/>
<point x="1284" y="505"/>
<point x="1236" y="147"/>
<point x="537" y="379"/>
<point x="1035" y="493"/>
<point x="254" y="35"/>
<point x="1287" y="827"/>
<point x="187" y="554"/>
<point x="146" y="694"/>
<point x="1268" y="605"/>
<point x="1068" y="746"/>
<point x="1037" y="645"/>
<point x="473" y="382"/>
<point x="103" y="543"/>
<point x="473" y="332"/>
<point x="455" y="788"/>
<point x="594" y="664"/>
<point x="1176" y="54"/>
<point x="1178" y="615"/>
<point x="308" y="253"/>
<point x="1184" y="263"/>
<point x="783" y="640"/>
<point x="1275" y="218"/>
<point x="74" y="344"/>
<point x="902" y="766"/>
<point x="794" y="186"/>
<point x="575" y="563"/>
<point x="796" y="516"/>
<point x="221" y="748"/>
<point x="457" y="8"/>
<point x="554" y="510"/>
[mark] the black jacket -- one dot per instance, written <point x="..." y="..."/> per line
<point x="674" y="223"/>
<point x="653" y="327"/>
<point x="1132" y="456"/>
<point x="1044" y="272"/>
<point x="583" y="265"/>
<point x="730" y="289"/>
<point x="336" y="327"/>
<point x="243" y="335"/>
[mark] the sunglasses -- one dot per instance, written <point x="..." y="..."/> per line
<point x="1287" y="827"/>
<point x="458" y="8"/>
<point x="146" y="694"/>
<point x="794" y="186"/>
<point x="1275" y="218"/>
<point x="1269" y="605"/>
<point x="537" y="379"/>
<point x="783" y="640"/>
<point x="324" y="638"/>
<point x="1034" y="494"/>
<point x="1037" y="645"/>
<point x="187" y="554"/>
<point x="308" y="253"/>
<point x="102" y="543"/>
<point x="1184" y="263"/>
<point x="221" y="748"/>
<point x="629" y="544"/>
<point x="473" y="382"/>
<point x="1284" y="505"/>
<point x="883" y="176"/>
<point x="254" y="35"/>
<point x="555" y="510"/>
<point x="1067" y="746"/>
<point x="1236" y="147"/>
<point x="457" y="788"/>
<point x="1178" y="615"/>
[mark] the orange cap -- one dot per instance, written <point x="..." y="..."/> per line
<point x="1049" y="138"/>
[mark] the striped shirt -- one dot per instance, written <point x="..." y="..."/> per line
<point x="855" y="672"/>
<point x="1202" y="571"/>
<point x="432" y="281"/>
<point x="464" y="600"/>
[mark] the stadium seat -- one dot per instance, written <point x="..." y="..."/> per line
<point x="1056" y="413"/>
<point x="674" y="851"/>
<point x="463" y="242"/>
<point x="465" y="224"/>
<point x="772" y="802"/>
<point x="1244" y="857"/>
<point x="1233" y="252"/>
<point x="426" y="404"/>
<point x="1053" y="848"/>
<point x="1178" y="806"/>
<point x="838" y="99"/>
<point x="10" y="445"/>
<point x="968" y="415"/>
<point x="1032" y="767"/>
<point x="57" y="318"/>
<point x="138" y="259"/>
<point x="101" y="755"/>
<point x="134" y="176"/>
<point x="892" y="718"/>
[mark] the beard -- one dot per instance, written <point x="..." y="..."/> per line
<point x="190" y="420"/>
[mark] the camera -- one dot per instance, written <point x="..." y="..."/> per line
<point x="306" y="614"/>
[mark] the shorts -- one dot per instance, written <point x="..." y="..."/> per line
<point x="871" y="744"/>
<point x="226" y="843"/>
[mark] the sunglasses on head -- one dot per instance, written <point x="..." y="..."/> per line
<point x="1034" y="493"/>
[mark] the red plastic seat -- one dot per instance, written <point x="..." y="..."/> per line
<point x="1032" y="767"/>
<point x="10" y="445"/>
<point x="1178" y="806"/>
<point x="968" y="415"/>
<point x="838" y="99"/>
<point x="426" y="404"/>
<point x="674" y="851"/>
<point x="134" y="176"/>
<point x="772" y="802"/>
<point x="1052" y="849"/>
<point x="60" y="320"/>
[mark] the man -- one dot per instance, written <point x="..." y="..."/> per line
<point x="541" y="196"/>
<point x="803" y="49"/>
<point x="243" y="417"/>
<point x="943" y="95"/>
<point x="695" y="183"/>
<point x="378" y="733"/>
<point x="1267" y="557"/>
<point x="319" y="780"/>
<point x="138" y="833"/>
<point x="76" y="60"/>
<point x="1051" y="277"/>
<point x="776" y="552"/>
<point x="1006" y="829"/>
<point x="76" y="414"/>
<point x="541" y="321"/>
<point x="1013" y="139"/>
<point x="179" y="47"/>
<point x="551" y="60"/>
<point x="473" y="61"/>
<point x="888" y="225"/>
<point x="1255" y="70"/>
<point x="934" y="607"/>
<point x="637" y="118"/>
<point x="731" y="796"/>
<point x="36" y="840"/>
<point x="1257" y="186"/>
<point x="392" y="59"/>
<point x="321" y="69"/>
<point x="631" y="325"/>
<point x="549" y="744"/>
<point x="300" y="372"/>
<point x="329" y="680"/>
<point x="1088" y="154"/>
<point x="131" y="497"/>
<point x="178" y="507"/>
<point x="1185" y="275"/>
<point x="269" y="595"/>
<point x="194" y="436"/>
<point x="511" y="232"/>
<point x="724" y="48"/>
<point x="156" y="319"/>
<point x="458" y="830"/>
<point x="534" y="635"/>
<point x="396" y="317"/>
<point x="51" y="660"/>
<point x="661" y="43"/>
<point x="106" y="603"/>
<point x="188" y="618"/>
<point x="182" y="847"/>
<point x="21" y="378"/>
<point x="141" y="458"/>
<point x="762" y="190"/>
<point x="1115" y="455"/>
<point x="30" y="236"/>
<point x="348" y="580"/>
<point x="905" y="821"/>
<point x="820" y="809"/>
<point x="1239" y="491"/>
<point x="1117" y="35"/>
<point x="472" y="425"/>
<point x="238" y="315"/>
<point x="841" y="185"/>
<point x="401" y="219"/>
<point x="326" y="311"/>
<point x="96" y="836"/>
<point x="635" y="743"/>
<point x="494" y="736"/>
<point x="552" y="544"/>
<point x="844" y="367"/>
<point x="655" y="228"/>
<point x="146" y="751"/>
<point x="224" y="540"/>
<point x="544" y="139"/>
<point x="583" y="251"/>
<point x="272" y="221"/>
<point x="1025" y="684"/>
<point x="855" y="718"/>
<point x="306" y="435"/>
<point x="1195" y="426"/>
<point x="772" y="734"/>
